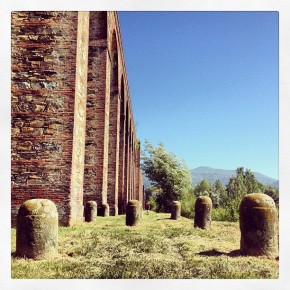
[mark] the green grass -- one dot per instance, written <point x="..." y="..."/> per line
<point x="158" y="248"/>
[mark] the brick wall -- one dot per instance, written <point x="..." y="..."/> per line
<point x="72" y="122"/>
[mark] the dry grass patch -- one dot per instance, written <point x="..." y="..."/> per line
<point x="158" y="248"/>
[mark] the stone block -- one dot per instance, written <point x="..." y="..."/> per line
<point x="175" y="210"/>
<point x="133" y="213"/>
<point x="37" y="229"/>
<point x="104" y="210"/>
<point x="259" y="226"/>
<point x="202" y="215"/>
<point x="90" y="211"/>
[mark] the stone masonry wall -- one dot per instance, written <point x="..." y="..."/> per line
<point x="72" y="125"/>
<point x="43" y="89"/>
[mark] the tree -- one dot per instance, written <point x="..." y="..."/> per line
<point x="243" y="183"/>
<point x="168" y="173"/>
<point x="202" y="188"/>
<point x="273" y="192"/>
<point x="218" y="194"/>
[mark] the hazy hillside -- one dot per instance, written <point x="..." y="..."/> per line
<point x="224" y="175"/>
<point x="213" y="174"/>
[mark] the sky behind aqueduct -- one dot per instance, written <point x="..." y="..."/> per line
<point x="206" y="85"/>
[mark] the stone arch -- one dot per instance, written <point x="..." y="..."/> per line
<point x="114" y="128"/>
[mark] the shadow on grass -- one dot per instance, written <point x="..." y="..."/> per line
<point x="214" y="252"/>
<point x="163" y="219"/>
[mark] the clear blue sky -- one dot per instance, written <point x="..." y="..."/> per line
<point x="206" y="85"/>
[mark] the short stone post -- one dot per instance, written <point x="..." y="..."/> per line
<point x="175" y="210"/>
<point x="259" y="226"/>
<point x="90" y="211"/>
<point x="133" y="213"/>
<point x="202" y="215"/>
<point x="37" y="229"/>
<point x="104" y="210"/>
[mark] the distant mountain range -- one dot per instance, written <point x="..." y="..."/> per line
<point x="212" y="174"/>
<point x="224" y="175"/>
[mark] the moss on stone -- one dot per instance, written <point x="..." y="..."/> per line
<point x="37" y="229"/>
<point x="203" y="209"/>
<point x="175" y="210"/>
<point x="258" y="225"/>
<point x="133" y="213"/>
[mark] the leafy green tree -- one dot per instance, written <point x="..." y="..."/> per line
<point x="243" y="183"/>
<point x="273" y="192"/>
<point x="166" y="172"/>
<point x="202" y="188"/>
<point x="150" y="196"/>
<point x="218" y="194"/>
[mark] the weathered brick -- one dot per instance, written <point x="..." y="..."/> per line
<point x="65" y="143"/>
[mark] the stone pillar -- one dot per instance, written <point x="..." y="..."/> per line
<point x="202" y="216"/>
<point x="90" y="211"/>
<point x="37" y="229"/>
<point x="175" y="210"/>
<point x="133" y="213"/>
<point x="258" y="225"/>
<point x="49" y="87"/>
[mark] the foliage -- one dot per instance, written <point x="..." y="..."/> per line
<point x="150" y="196"/>
<point x="243" y="183"/>
<point x="166" y="172"/>
<point x="217" y="192"/>
<point x="187" y="205"/>
<point x="274" y="193"/>
<point x="202" y="188"/>
<point x="158" y="248"/>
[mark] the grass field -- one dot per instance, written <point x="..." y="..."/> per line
<point x="158" y="248"/>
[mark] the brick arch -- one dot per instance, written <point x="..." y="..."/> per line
<point x="122" y="131"/>
<point x="114" y="65"/>
<point x="95" y="155"/>
<point x="114" y="128"/>
<point x="127" y="154"/>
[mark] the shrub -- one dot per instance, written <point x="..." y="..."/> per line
<point x="187" y="205"/>
<point x="227" y="213"/>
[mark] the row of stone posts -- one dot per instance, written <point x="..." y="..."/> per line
<point x="258" y="222"/>
<point x="37" y="224"/>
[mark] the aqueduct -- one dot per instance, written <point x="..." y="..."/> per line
<point x="73" y="133"/>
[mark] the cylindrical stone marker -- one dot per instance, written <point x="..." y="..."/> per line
<point x="258" y="225"/>
<point x="175" y="210"/>
<point x="104" y="210"/>
<point x="37" y="229"/>
<point x="202" y="215"/>
<point x="133" y="213"/>
<point x="90" y="211"/>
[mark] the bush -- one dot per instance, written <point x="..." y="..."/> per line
<point x="187" y="205"/>
<point x="153" y="204"/>
<point x="227" y="213"/>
